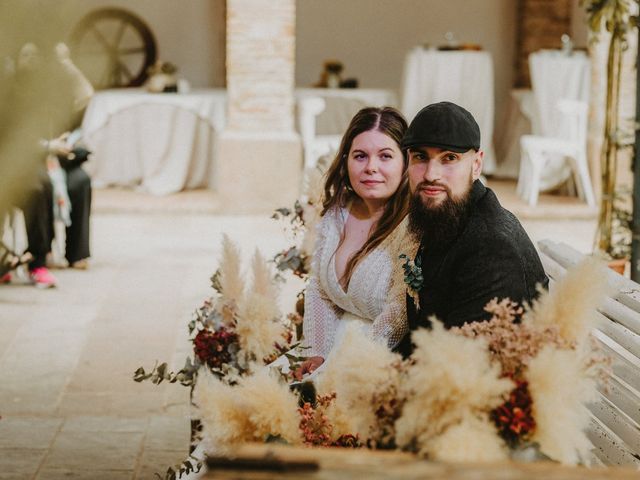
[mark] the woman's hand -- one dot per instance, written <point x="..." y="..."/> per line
<point x="308" y="366"/>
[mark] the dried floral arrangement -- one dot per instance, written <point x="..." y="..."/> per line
<point x="482" y="392"/>
<point x="240" y="328"/>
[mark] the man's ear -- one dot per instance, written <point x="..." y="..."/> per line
<point x="477" y="164"/>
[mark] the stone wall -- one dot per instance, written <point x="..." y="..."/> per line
<point x="541" y="23"/>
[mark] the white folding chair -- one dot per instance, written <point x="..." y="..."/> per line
<point x="569" y="143"/>
<point x="315" y="146"/>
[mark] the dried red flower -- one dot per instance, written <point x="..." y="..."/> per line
<point x="514" y="418"/>
<point x="212" y="348"/>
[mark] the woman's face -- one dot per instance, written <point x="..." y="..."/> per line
<point x="375" y="166"/>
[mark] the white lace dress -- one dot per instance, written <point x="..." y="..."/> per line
<point x="375" y="297"/>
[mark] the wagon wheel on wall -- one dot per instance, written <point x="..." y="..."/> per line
<point x="113" y="48"/>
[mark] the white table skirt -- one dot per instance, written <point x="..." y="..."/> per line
<point x="161" y="142"/>
<point x="461" y="77"/>
<point x="164" y="143"/>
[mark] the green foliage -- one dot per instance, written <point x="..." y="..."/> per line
<point x="190" y="465"/>
<point x="185" y="376"/>
<point x="412" y="272"/>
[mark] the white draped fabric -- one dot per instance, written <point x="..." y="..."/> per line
<point x="343" y="103"/>
<point x="461" y="77"/>
<point x="161" y="142"/>
<point x="554" y="76"/>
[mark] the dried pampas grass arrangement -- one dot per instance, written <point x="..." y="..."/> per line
<point x="560" y="388"/>
<point x="474" y="439"/>
<point x="358" y="371"/>
<point x="452" y="378"/>
<point x="260" y="406"/>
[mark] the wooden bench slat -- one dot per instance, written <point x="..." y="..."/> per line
<point x="624" y="428"/>
<point x="608" y="447"/>
<point x="627" y="291"/>
<point x="624" y="365"/>
<point x="625" y="399"/>
<point x="622" y="336"/>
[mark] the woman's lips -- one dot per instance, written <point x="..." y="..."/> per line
<point x="371" y="183"/>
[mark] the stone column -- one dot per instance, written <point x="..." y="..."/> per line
<point x="259" y="155"/>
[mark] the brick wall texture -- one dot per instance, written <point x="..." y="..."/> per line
<point x="541" y="23"/>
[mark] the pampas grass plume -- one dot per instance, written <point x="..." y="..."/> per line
<point x="474" y="439"/>
<point x="571" y="305"/>
<point x="224" y="417"/>
<point x="258" y="325"/>
<point x="260" y="405"/>
<point x="262" y="277"/>
<point x="272" y="407"/>
<point x="357" y="369"/>
<point x="452" y="376"/>
<point x="230" y="278"/>
<point x="559" y="389"/>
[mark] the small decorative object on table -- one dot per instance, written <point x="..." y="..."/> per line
<point x="162" y="77"/>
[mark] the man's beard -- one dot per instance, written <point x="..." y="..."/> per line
<point x="436" y="225"/>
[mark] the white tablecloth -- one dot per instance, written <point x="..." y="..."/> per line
<point x="161" y="142"/>
<point x="461" y="77"/>
<point x="343" y="103"/>
<point x="554" y="76"/>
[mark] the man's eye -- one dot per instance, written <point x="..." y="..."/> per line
<point x="417" y="156"/>
<point x="451" y="157"/>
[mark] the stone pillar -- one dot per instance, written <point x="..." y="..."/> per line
<point x="259" y="164"/>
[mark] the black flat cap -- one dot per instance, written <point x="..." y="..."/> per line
<point x="443" y="125"/>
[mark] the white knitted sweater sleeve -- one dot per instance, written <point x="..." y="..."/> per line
<point x="321" y="315"/>
<point x="391" y="325"/>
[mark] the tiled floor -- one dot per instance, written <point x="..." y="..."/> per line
<point x="69" y="406"/>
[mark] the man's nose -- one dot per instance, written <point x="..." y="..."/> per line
<point x="432" y="171"/>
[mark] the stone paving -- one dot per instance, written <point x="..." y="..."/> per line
<point x="69" y="406"/>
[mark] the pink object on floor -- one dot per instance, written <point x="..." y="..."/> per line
<point x="6" y="278"/>
<point x="43" y="278"/>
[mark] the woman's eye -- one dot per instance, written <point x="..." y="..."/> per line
<point x="359" y="156"/>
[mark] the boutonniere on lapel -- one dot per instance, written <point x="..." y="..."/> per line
<point x="413" y="277"/>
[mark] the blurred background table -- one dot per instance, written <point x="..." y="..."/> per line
<point x="343" y="103"/>
<point x="160" y="142"/>
<point x="462" y="77"/>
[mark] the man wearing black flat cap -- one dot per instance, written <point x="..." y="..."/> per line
<point x="471" y="249"/>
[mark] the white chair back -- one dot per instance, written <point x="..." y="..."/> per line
<point x="573" y="123"/>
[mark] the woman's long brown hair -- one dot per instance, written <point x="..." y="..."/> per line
<point x="338" y="190"/>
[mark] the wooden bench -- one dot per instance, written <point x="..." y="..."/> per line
<point x="615" y="417"/>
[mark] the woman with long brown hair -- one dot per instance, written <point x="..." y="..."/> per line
<point x="356" y="273"/>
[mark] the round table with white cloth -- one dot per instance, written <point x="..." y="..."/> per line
<point x="462" y="77"/>
<point x="161" y="142"/>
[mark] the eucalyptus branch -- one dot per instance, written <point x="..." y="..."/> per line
<point x="159" y="373"/>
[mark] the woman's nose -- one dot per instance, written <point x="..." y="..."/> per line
<point x="372" y="165"/>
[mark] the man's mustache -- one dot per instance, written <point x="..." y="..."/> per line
<point x="426" y="183"/>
